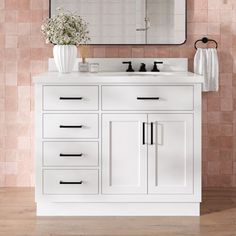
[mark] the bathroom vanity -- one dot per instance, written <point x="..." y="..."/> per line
<point x="118" y="143"/>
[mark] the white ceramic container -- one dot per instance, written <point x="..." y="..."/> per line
<point x="65" y="57"/>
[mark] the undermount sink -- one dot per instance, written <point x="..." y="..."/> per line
<point x="135" y="73"/>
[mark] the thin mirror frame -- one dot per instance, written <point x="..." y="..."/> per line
<point x="144" y="44"/>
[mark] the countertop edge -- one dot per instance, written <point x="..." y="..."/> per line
<point x="177" y="78"/>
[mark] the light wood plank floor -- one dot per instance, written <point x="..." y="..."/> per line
<point x="17" y="217"/>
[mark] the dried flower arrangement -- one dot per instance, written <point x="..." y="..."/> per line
<point x="65" y="28"/>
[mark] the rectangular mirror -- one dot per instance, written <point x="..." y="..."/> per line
<point x="130" y="21"/>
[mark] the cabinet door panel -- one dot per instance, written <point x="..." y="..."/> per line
<point x="124" y="156"/>
<point x="171" y="155"/>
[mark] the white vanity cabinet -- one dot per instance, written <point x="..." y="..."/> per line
<point x="108" y="145"/>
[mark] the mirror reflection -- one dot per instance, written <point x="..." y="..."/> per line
<point x="130" y="21"/>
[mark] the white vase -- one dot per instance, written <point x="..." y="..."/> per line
<point x="65" y="57"/>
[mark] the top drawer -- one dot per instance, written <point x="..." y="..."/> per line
<point x="70" y="98"/>
<point x="147" y="98"/>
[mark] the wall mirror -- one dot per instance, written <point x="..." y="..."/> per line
<point x="130" y="21"/>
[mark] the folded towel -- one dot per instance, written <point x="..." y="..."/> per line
<point x="206" y="63"/>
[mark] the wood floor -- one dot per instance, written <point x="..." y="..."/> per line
<point x="17" y="217"/>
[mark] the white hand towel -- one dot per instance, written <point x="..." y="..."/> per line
<point x="206" y="63"/>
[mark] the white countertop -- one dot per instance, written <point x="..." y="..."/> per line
<point x="119" y="77"/>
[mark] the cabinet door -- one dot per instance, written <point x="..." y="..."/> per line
<point x="170" y="154"/>
<point x="124" y="154"/>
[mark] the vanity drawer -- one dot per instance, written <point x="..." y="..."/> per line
<point x="70" y="125"/>
<point x="147" y="98"/>
<point x="70" y="98"/>
<point x="70" y="153"/>
<point x="70" y="181"/>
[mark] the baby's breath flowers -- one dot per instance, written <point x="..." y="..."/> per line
<point x="65" y="28"/>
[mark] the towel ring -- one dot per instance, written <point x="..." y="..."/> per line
<point x="205" y="40"/>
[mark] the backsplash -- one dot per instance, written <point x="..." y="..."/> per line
<point x="23" y="53"/>
<point x="116" y="65"/>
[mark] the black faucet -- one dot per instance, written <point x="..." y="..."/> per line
<point x="130" y="69"/>
<point x="142" y="68"/>
<point x="155" y="69"/>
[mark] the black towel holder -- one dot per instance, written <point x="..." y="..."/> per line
<point x="205" y="40"/>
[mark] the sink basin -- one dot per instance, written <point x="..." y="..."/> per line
<point x="135" y="73"/>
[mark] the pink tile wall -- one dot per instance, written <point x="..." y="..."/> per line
<point x="23" y="54"/>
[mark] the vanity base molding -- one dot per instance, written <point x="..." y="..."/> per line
<point x="118" y="209"/>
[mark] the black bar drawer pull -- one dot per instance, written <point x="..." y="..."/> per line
<point x="63" y="182"/>
<point x="148" y="98"/>
<point x="71" y="155"/>
<point x="143" y="133"/>
<point x="71" y="126"/>
<point x="151" y="133"/>
<point x="71" y="98"/>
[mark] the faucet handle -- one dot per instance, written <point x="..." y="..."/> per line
<point x="142" y="68"/>
<point x="155" y="68"/>
<point x="130" y="69"/>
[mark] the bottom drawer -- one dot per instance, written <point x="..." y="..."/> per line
<point x="70" y="182"/>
